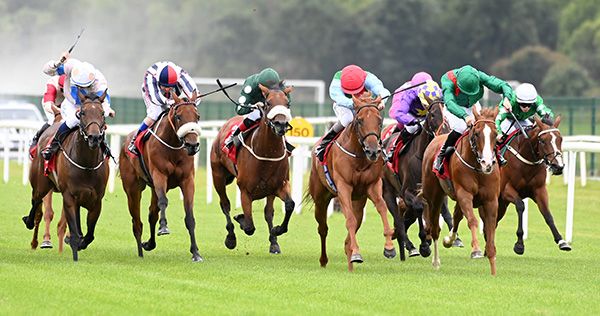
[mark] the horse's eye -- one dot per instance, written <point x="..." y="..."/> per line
<point x="178" y="117"/>
<point x="81" y="113"/>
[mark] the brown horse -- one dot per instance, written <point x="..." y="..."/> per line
<point x="525" y="175"/>
<point x="475" y="182"/>
<point x="405" y="183"/>
<point x="168" y="166"/>
<point x="262" y="169"/>
<point x="356" y="168"/>
<point x="81" y="173"/>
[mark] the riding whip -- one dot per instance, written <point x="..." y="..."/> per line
<point x="222" y="88"/>
<point x="63" y="59"/>
<point x="518" y="124"/>
<point x="404" y="89"/>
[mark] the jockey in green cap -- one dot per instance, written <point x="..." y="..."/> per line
<point x="250" y="95"/>
<point x="463" y="88"/>
<point x="524" y="104"/>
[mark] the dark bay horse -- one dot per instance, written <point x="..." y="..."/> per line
<point x="405" y="183"/>
<point x="525" y="175"/>
<point x="475" y="182"/>
<point x="169" y="159"/>
<point x="355" y="165"/>
<point x="262" y="169"/>
<point x="81" y="173"/>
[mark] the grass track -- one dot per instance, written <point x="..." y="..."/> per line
<point x="110" y="279"/>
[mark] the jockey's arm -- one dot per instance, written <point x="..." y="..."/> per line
<point x="497" y="85"/>
<point x="502" y="115"/>
<point x="373" y="84"/>
<point x="188" y="85"/>
<point x="541" y="108"/>
<point x="337" y="95"/>
<point x="100" y="86"/>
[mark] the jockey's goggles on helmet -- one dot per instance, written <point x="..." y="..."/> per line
<point x="525" y="105"/>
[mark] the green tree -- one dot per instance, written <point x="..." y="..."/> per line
<point x="566" y="79"/>
<point x="528" y="64"/>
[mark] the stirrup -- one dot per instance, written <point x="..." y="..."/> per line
<point x="132" y="148"/>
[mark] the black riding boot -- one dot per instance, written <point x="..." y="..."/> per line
<point x="329" y="136"/>
<point x="246" y="124"/>
<point x="450" y="142"/>
<point x="404" y="136"/>
<point x="38" y="134"/>
<point x="60" y="135"/>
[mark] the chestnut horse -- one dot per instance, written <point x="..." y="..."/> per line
<point x="525" y="175"/>
<point x="168" y="166"/>
<point x="81" y="173"/>
<point x="262" y="169"/>
<point x="405" y="183"/>
<point x="475" y="182"/>
<point x="355" y="165"/>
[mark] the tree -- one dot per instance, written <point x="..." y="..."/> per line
<point x="566" y="79"/>
<point x="528" y="64"/>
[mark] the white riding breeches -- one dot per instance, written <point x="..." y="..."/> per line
<point x="254" y="115"/>
<point x="343" y="114"/>
<point x="412" y="128"/>
<point x="508" y="127"/>
<point x="69" y="113"/>
<point x="152" y="110"/>
<point x="456" y="123"/>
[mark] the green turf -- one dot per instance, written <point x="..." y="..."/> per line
<point x="111" y="279"/>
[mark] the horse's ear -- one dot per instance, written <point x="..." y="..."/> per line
<point x="194" y="96"/>
<point x="175" y="97"/>
<point x="538" y="121"/>
<point x="288" y="89"/>
<point x="556" y="122"/>
<point x="81" y="96"/>
<point x="476" y="113"/>
<point x="377" y="100"/>
<point x="264" y="90"/>
<point x="103" y="96"/>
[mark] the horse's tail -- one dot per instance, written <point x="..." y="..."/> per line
<point x="307" y="199"/>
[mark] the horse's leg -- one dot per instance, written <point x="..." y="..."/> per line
<point x="245" y="219"/>
<point x="187" y="186"/>
<point x="351" y="245"/>
<point x="321" y="203"/>
<point x="134" y="195"/>
<point x="285" y="196"/>
<point x="390" y="201"/>
<point x="61" y="229"/>
<point x="152" y="219"/>
<point x="70" y="208"/>
<point x="375" y="194"/>
<point x="453" y="233"/>
<point x="274" y="247"/>
<point x="358" y="207"/>
<point x="48" y="216"/>
<point x="448" y="219"/>
<point x="432" y="215"/>
<point x="540" y="196"/>
<point x="160" y="188"/>
<point x="510" y="195"/>
<point x="220" y="184"/>
<point x="36" y="228"/>
<point x="36" y="203"/>
<point x="416" y="207"/>
<point x="92" y="218"/>
<point x="465" y="202"/>
<point x="488" y="213"/>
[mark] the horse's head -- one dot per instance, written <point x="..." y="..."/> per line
<point x="276" y="109"/>
<point x="184" y="118"/>
<point x="434" y="120"/>
<point x="482" y="138"/>
<point x="548" y="143"/>
<point x="367" y="124"/>
<point x="91" y="118"/>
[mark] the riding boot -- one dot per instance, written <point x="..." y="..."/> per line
<point x="450" y="142"/>
<point x="404" y="136"/>
<point x="62" y="132"/>
<point x="329" y="136"/>
<point x="38" y="134"/>
<point x="131" y="147"/>
<point x="245" y="125"/>
<point x="501" y="161"/>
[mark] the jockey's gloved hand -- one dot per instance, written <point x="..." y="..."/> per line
<point x="546" y="119"/>
<point x="500" y="138"/>
<point x="469" y="120"/>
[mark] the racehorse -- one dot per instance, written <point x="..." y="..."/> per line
<point x="404" y="184"/>
<point x="474" y="182"/>
<point x="525" y="175"/>
<point x="164" y="165"/>
<point x="81" y="173"/>
<point x="262" y="169"/>
<point x="354" y="173"/>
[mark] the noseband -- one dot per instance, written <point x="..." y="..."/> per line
<point x="554" y="154"/>
<point x="361" y="138"/>
<point x="83" y="128"/>
<point x="473" y="142"/>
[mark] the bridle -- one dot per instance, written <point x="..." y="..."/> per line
<point x="431" y="131"/>
<point x="474" y="147"/>
<point x="361" y="137"/>
<point x="83" y="128"/>
<point x="269" y="121"/>
<point x="547" y="158"/>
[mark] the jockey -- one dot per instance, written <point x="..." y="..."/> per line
<point x="350" y="81"/>
<point x="410" y="107"/>
<point x="524" y="105"/>
<point x="463" y="88"/>
<point x="161" y="80"/>
<point x="79" y="77"/>
<point x="51" y="101"/>
<point x="249" y="96"/>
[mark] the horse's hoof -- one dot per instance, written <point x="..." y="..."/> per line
<point x="239" y="218"/>
<point x="27" y="224"/>
<point x="563" y="245"/>
<point x="458" y="243"/>
<point x="413" y="252"/>
<point x="197" y="258"/>
<point x="163" y="231"/>
<point x="436" y="265"/>
<point x="230" y="242"/>
<point x="356" y="258"/>
<point x="447" y="242"/>
<point x="389" y="253"/>
<point x="519" y="248"/>
<point x="274" y="249"/>
<point x="278" y="230"/>
<point x="67" y="240"/>
<point x="477" y="254"/>
<point x="148" y="246"/>
<point x="250" y="231"/>
<point x="46" y="244"/>
<point x="424" y="250"/>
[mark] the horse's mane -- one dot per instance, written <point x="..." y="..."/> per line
<point x="489" y="113"/>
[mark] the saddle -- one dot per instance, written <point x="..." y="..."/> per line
<point x="503" y="147"/>
<point x="139" y="143"/>
<point x="237" y="142"/>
